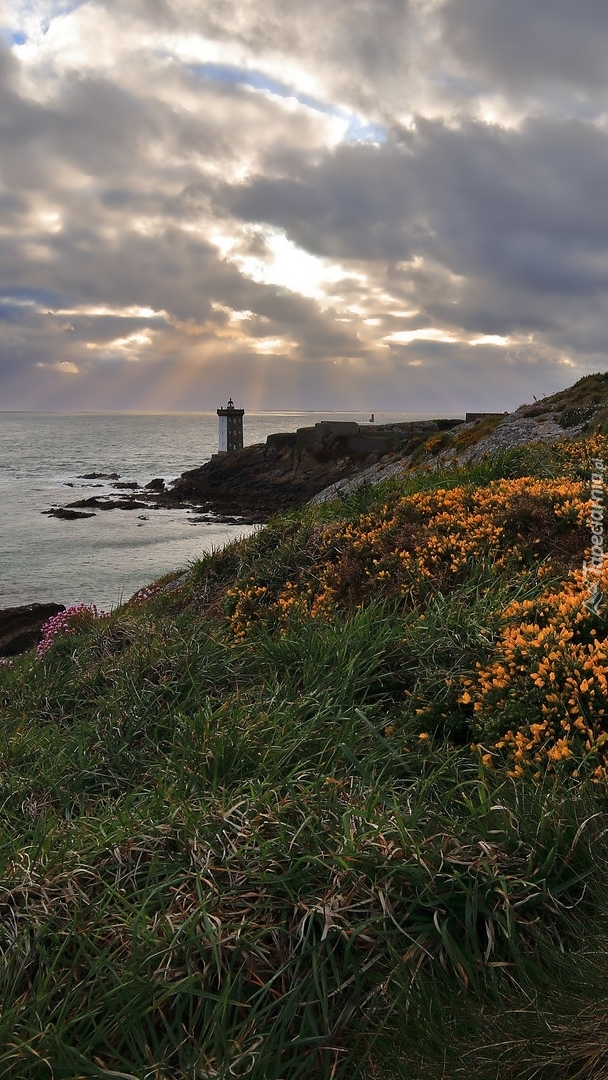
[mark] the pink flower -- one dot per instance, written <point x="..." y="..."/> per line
<point x="64" y="623"/>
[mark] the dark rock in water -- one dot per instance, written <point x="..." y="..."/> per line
<point x="20" y="626"/>
<point x="92" y="500"/>
<point x="158" y="484"/>
<point x="224" y="519"/>
<point x="130" y="485"/>
<point x="67" y="515"/>
<point x="110" y="504"/>
<point x="100" y="476"/>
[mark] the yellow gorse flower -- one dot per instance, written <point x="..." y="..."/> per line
<point x="566" y="717"/>
<point x="547" y="679"/>
<point x="428" y="536"/>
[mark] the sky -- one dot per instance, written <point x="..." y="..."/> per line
<point x="356" y="204"/>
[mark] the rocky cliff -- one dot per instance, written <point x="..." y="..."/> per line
<point x="20" y="626"/>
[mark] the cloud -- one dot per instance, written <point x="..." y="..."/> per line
<point x="353" y="53"/>
<point x="523" y="48"/>
<point x="340" y="207"/>
<point x="305" y="200"/>
<point x="488" y="230"/>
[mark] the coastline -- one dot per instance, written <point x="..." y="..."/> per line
<point x="248" y="487"/>
<point x="106" y="558"/>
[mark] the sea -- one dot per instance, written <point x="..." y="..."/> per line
<point x="105" y="559"/>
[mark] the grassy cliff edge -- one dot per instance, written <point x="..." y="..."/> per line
<point x="329" y="802"/>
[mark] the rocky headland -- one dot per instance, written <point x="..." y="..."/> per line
<point x="315" y="463"/>
<point x="291" y="468"/>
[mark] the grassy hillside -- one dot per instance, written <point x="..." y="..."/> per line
<point x="581" y="408"/>
<point x="586" y="402"/>
<point x="330" y="803"/>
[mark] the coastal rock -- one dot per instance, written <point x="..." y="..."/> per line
<point x="67" y="515"/>
<point x="100" y="476"/>
<point x="20" y="626"/>
<point x="374" y="474"/>
<point x="517" y="431"/>
<point x="514" y="430"/>
<point x="124" y="503"/>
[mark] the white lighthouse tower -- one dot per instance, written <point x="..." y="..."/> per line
<point x="231" y="428"/>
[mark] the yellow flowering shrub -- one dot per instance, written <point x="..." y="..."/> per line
<point x="250" y="602"/>
<point x="543" y="699"/>
<point x="421" y="540"/>
<point x="583" y="454"/>
<point x="539" y="698"/>
<point x="437" y="536"/>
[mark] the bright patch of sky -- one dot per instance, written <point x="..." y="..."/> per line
<point x="359" y="130"/>
<point x="489" y="339"/>
<point x="258" y="80"/>
<point x="26" y="18"/>
<point x="271" y="345"/>
<point x="431" y="333"/>
<point x="101" y="311"/>
<point x="40" y="300"/>
<point x="130" y="346"/>
<point x="286" y="264"/>
<point x="14" y="302"/>
<point x="427" y="333"/>
<point x="356" y="128"/>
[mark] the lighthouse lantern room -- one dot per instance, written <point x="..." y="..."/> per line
<point x="231" y="428"/>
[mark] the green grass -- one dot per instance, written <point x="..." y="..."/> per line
<point x="591" y="390"/>
<point x="228" y="857"/>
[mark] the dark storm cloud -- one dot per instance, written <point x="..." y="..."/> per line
<point x="356" y="204"/>
<point x="522" y="217"/>
<point x="522" y="46"/>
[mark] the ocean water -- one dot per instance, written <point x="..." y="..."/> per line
<point x="105" y="559"/>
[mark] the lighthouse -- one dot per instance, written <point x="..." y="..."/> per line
<point x="231" y="428"/>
